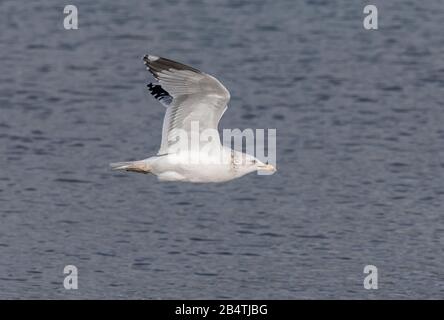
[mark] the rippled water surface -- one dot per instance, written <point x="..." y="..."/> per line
<point x="360" y="141"/>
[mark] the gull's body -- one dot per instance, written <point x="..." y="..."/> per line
<point x="171" y="168"/>
<point x="195" y="102"/>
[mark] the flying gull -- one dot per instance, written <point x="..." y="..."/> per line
<point x="195" y="102"/>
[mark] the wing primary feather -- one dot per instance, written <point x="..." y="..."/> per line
<point x="159" y="64"/>
<point x="160" y="94"/>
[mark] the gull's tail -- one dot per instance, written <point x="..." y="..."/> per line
<point x="135" y="166"/>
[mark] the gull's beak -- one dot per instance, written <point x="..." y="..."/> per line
<point x="267" y="167"/>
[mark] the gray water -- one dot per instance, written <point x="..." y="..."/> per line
<point x="360" y="151"/>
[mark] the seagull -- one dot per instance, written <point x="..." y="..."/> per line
<point x="195" y="102"/>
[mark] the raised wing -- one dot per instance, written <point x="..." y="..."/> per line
<point x="195" y="98"/>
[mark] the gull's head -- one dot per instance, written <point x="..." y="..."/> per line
<point x="264" y="167"/>
<point x="249" y="163"/>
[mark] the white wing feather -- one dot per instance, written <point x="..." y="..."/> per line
<point x="197" y="96"/>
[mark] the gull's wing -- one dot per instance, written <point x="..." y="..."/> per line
<point x="190" y="96"/>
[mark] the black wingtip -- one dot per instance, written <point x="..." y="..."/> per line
<point x="157" y="91"/>
<point x="156" y="64"/>
<point x="149" y="58"/>
<point x="160" y="94"/>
